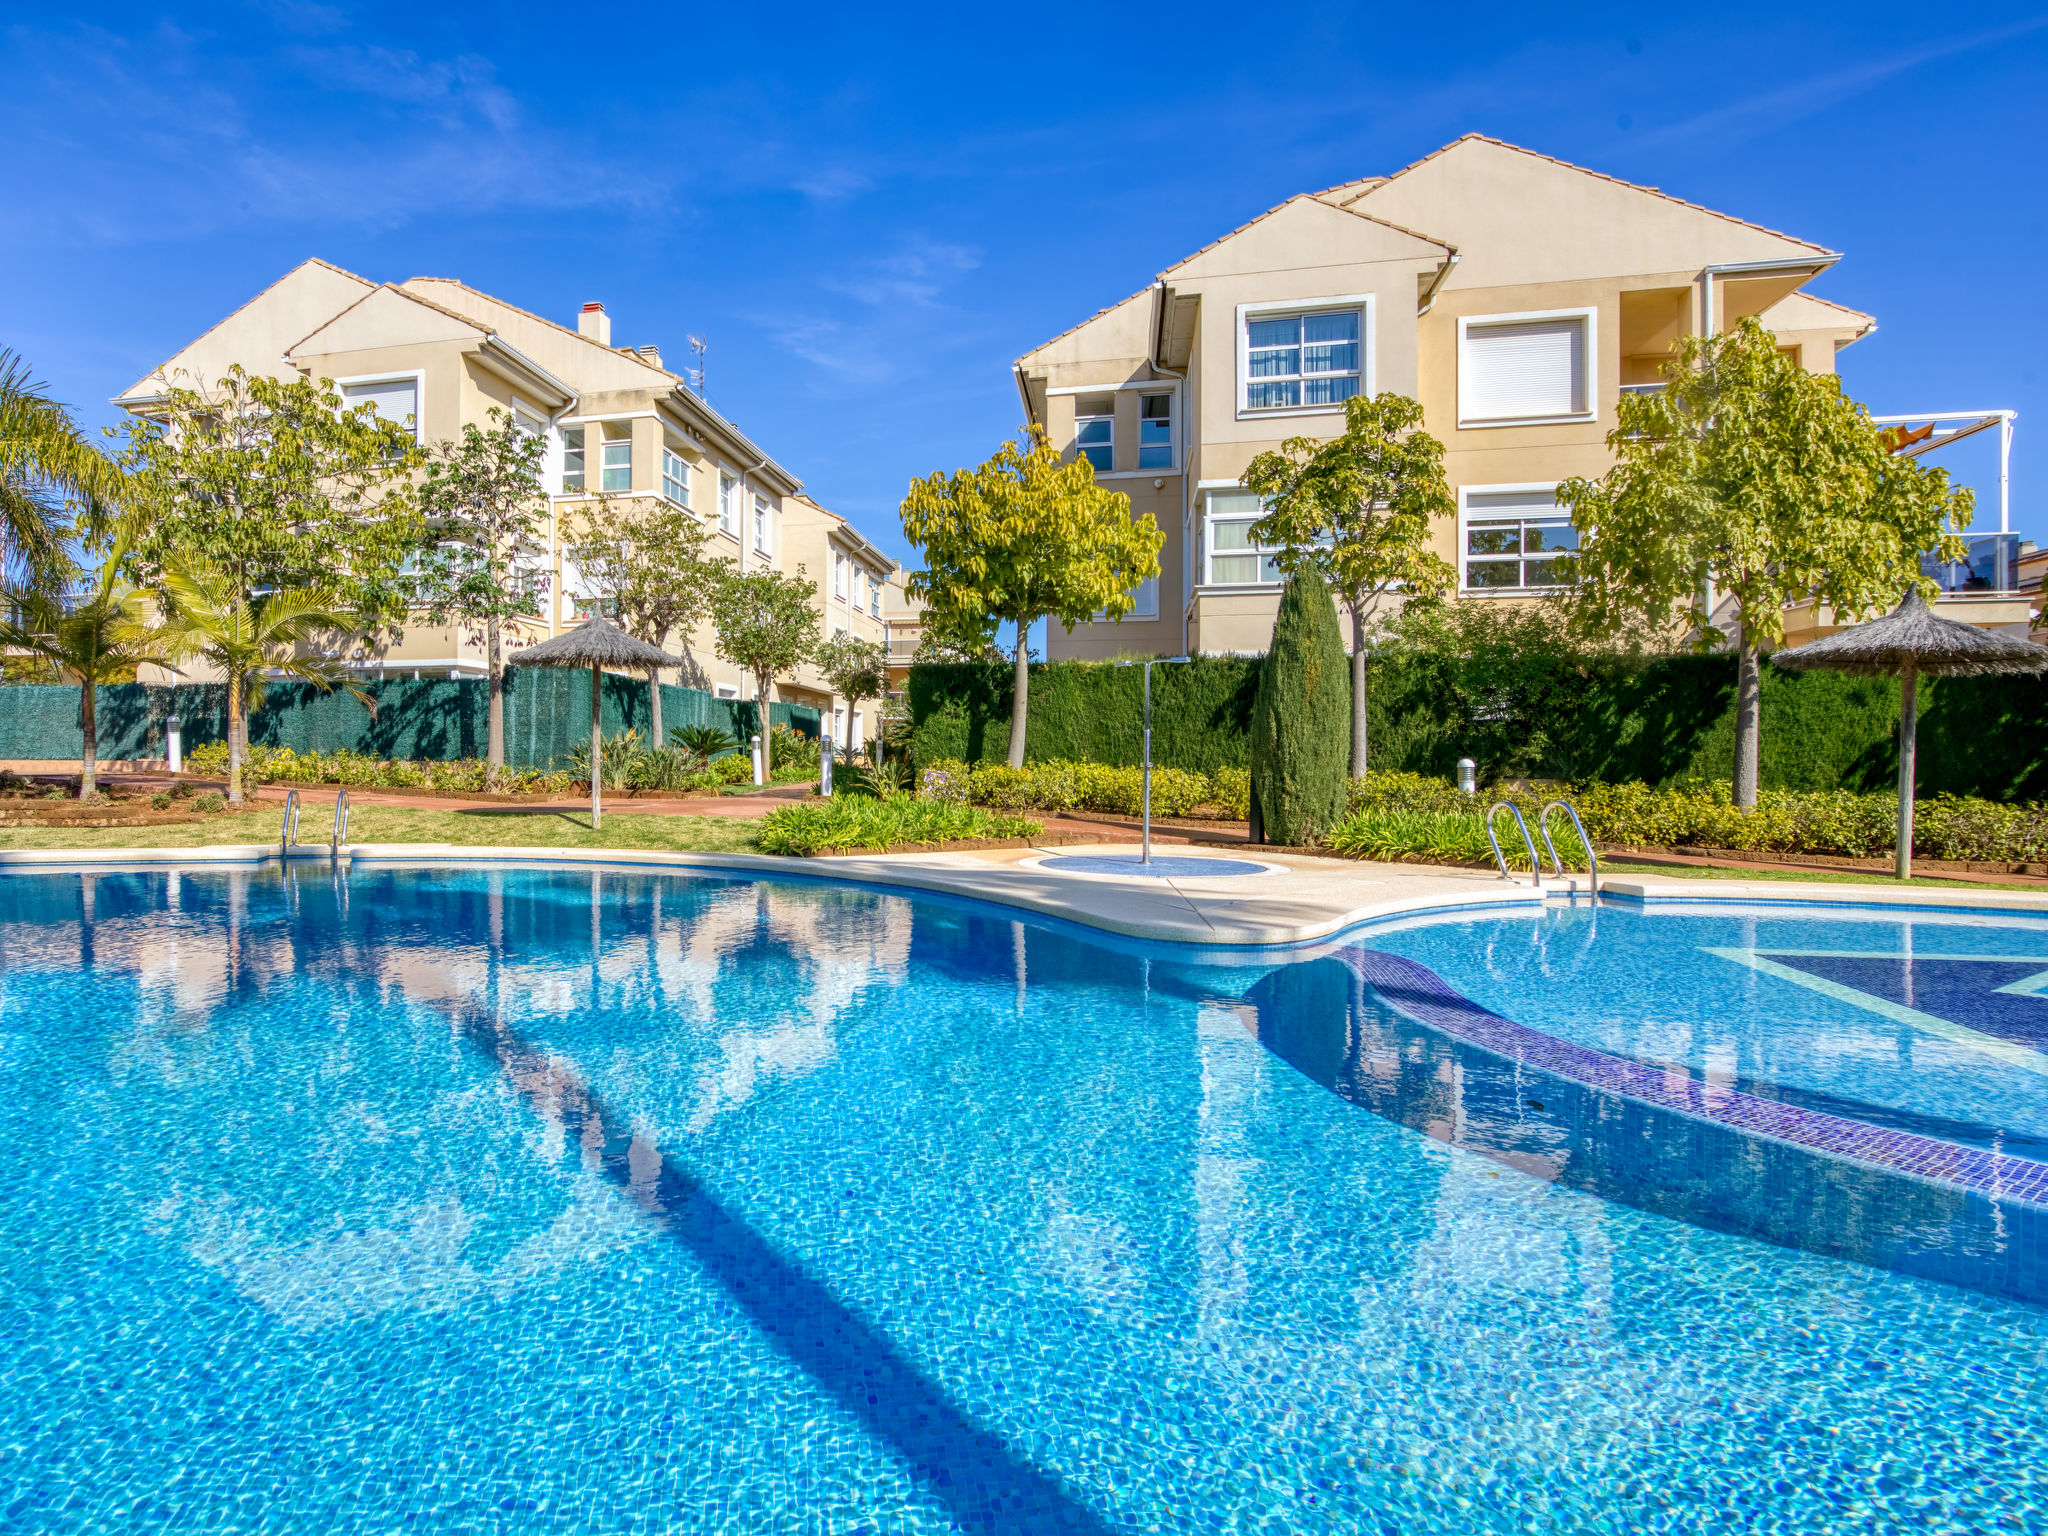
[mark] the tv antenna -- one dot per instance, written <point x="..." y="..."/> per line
<point x="698" y="346"/>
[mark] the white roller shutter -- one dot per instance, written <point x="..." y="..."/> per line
<point x="396" y="400"/>
<point x="1523" y="369"/>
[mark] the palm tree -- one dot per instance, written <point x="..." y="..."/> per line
<point x="247" y="636"/>
<point x="44" y="461"/>
<point x="100" y="638"/>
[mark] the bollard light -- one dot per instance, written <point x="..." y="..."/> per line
<point x="1468" y="776"/>
<point x="825" y="763"/>
<point x="759" y="776"/>
<point x="174" y="743"/>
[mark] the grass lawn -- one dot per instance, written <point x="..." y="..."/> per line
<point x="1819" y="876"/>
<point x="403" y="824"/>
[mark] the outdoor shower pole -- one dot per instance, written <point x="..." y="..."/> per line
<point x="1909" y="730"/>
<point x="596" y="747"/>
<point x="1164" y="661"/>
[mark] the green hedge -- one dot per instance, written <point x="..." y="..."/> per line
<point x="547" y="715"/>
<point x="1540" y="715"/>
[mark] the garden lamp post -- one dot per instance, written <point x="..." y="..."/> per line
<point x="1148" y="665"/>
<point x="1909" y="641"/>
<point x="596" y="643"/>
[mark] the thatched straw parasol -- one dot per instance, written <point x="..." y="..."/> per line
<point x="596" y="643"/>
<point x="1908" y="641"/>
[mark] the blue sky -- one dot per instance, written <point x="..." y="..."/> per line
<point x="869" y="213"/>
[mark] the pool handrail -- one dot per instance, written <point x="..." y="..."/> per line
<point x="340" y="823"/>
<point x="1592" y="859"/>
<point x="1535" y="863"/>
<point x="288" y="834"/>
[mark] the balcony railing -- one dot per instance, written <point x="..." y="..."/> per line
<point x="1645" y="389"/>
<point x="1991" y="564"/>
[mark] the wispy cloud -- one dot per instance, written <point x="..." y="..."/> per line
<point x="1770" y="110"/>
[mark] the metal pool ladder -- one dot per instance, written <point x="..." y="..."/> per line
<point x="1535" y="864"/>
<point x="340" y="824"/>
<point x="1592" y="859"/>
<point x="288" y="834"/>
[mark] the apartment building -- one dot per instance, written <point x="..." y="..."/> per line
<point x="436" y="354"/>
<point x="850" y="574"/>
<point x="1514" y="295"/>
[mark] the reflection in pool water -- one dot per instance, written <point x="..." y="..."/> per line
<point x="590" y="1201"/>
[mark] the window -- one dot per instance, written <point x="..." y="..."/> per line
<point x="725" y="691"/>
<point x="394" y="400"/>
<point x="618" y="464"/>
<point x="1302" y="361"/>
<point x="761" y="524"/>
<point x="839" y="575"/>
<point x="1234" y="559"/>
<point x="860" y="588"/>
<point x="1525" y="368"/>
<point x="675" y="477"/>
<point x="1155" y="432"/>
<point x="1095" y="430"/>
<point x="728" y="504"/>
<point x="525" y="422"/>
<point x="875" y="599"/>
<point x="1512" y="539"/>
<point x="572" y="458"/>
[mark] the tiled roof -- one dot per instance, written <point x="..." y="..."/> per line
<point x="626" y="352"/>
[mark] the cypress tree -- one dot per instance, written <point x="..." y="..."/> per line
<point x="1301" y="719"/>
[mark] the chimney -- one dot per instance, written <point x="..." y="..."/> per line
<point x="595" y="324"/>
<point x="650" y="354"/>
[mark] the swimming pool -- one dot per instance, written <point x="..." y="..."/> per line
<point x="548" y="1201"/>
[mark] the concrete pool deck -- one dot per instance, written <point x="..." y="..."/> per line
<point x="1292" y="899"/>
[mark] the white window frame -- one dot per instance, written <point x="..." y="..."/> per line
<point x="728" y="512"/>
<point x="681" y="477"/>
<point x="726" y="691"/>
<point x="763" y="535"/>
<point x="839" y="575"/>
<point x="604" y="448"/>
<point x="1208" y="535"/>
<point x="1591" y="317"/>
<point x="1364" y="303"/>
<point x="1466" y="516"/>
<point x="418" y="376"/>
<point x="1081" y="449"/>
<point x="1172" y="464"/>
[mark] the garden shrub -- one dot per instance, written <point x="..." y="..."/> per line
<point x="282" y="765"/>
<point x="825" y="826"/>
<point x="1060" y="786"/>
<point x="1301" y="719"/>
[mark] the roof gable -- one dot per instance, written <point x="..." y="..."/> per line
<point x="1274" y="241"/>
<point x="385" y="317"/>
<point x="1522" y="217"/>
<point x="258" y="334"/>
<point x="586" y="365"/>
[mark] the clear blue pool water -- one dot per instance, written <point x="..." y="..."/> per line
<point x="551" y="1201"/>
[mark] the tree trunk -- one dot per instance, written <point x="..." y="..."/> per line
<point x="89" y="726"/>
<point x="654" y="699"/>
<point x="234" y="738"/>
<point x="1020" y="694"/>
<point x="1909" y="730"/>
<point x="763" y="681"/>
<point x="494" y="731"/>
<point x="1359" y="674"/>
<point x="1748" y="699"/>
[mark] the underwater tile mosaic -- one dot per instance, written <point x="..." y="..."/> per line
<point x="552" y="1201"/>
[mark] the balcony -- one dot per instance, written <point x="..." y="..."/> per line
<point x="1992" y="564"/>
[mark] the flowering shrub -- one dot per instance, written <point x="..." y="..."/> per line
<point x="944" y="781"/>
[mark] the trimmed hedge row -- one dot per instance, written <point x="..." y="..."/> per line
<point x="1066" y="786"/>
<point x="847" y="822"/>
<point x="1527" y="713"/>
<point x="1412" y="815"/>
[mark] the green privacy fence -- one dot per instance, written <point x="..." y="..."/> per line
<point x="547" y="714"/>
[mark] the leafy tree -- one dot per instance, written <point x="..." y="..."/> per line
<point x="765" y="625"/>
<point x="484" y="509"/>
<point x="1361" y="509"/>
<point x="275" y="485"/>
<point x="213" y="616"/>
<point x="644" y="557"/>
<point x="100" y="638"/>
<point x="1024" y="537"/>
<point x="1299" y="716"/>
<point x="45" y="461"/>
<point x="1750" y="476"/>
<point x="856" y="669"/>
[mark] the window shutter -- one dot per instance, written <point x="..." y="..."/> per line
<point x="397" y="401"/>
<point x="1526" y="368"/>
